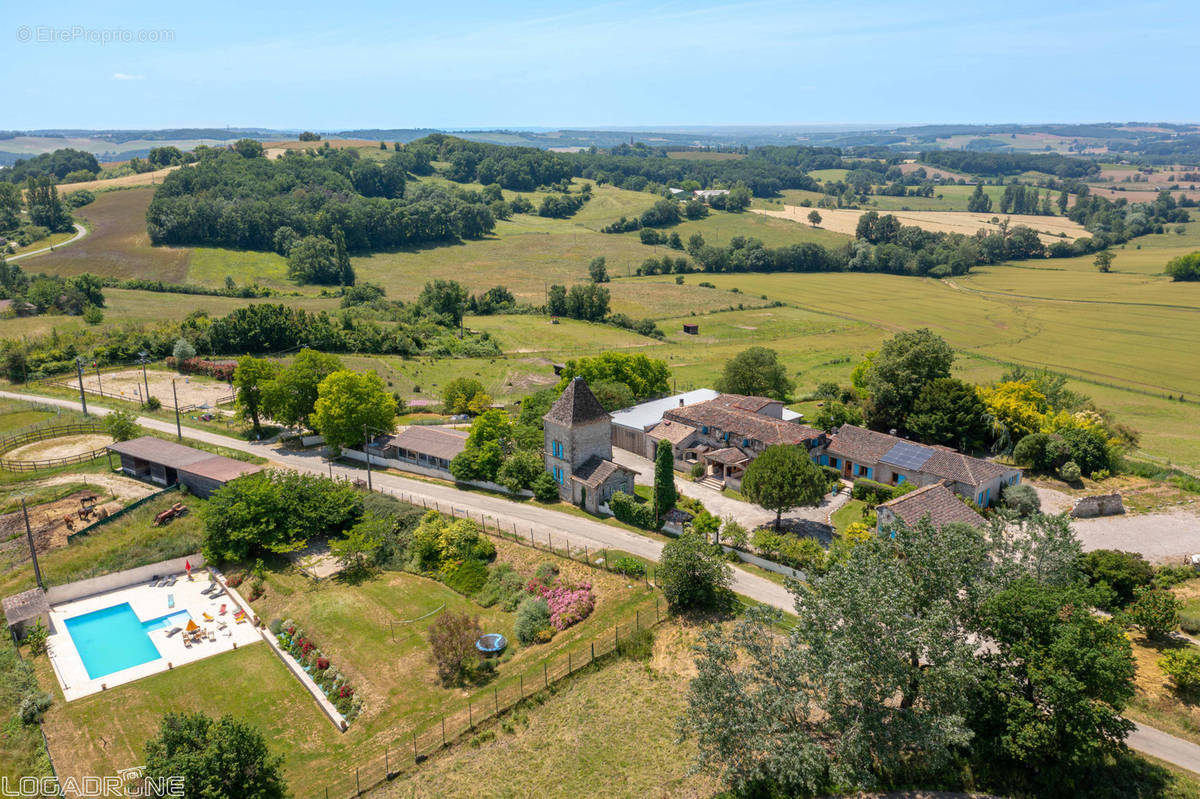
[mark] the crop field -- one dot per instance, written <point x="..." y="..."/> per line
<point x="118" y="245"/>
<point x="125" y="182"/>
<point x="1127" y="357"/>
<point x="841" y="220"/>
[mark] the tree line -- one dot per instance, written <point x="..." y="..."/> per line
<point x="998" y="164"/>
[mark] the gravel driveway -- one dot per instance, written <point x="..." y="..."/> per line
<point x="1160" y="537"/>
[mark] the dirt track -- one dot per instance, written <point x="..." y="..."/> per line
<point x="841" y="220"/>
<point x="62" y="447"/>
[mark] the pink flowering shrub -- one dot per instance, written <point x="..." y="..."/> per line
<point x="569" y="604"/>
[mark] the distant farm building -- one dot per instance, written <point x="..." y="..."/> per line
<point x="691" y="328"/>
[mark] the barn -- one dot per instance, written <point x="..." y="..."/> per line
<point x="167" y="463"/>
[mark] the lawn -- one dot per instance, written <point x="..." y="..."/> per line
<point x="848" y="514"/>
<point x="22" y="753"/>
<point x="1156" y="703"/>
<point x="209" y="266"/>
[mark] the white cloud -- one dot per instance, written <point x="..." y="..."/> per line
<point x="123" y="76"/>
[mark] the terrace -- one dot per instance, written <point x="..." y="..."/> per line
<point x="112" y="638"/>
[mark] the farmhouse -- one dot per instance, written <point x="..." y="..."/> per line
<point x="578" y="449"/>
<point x="935" y="501"/>
<point x="728" y="431"/>
<point x="429" y="447"/>
<point x="167" y="463"/>
<point x="706" y="195"/>
<point x="630" y="425"/>
<point x="889" y="459"/>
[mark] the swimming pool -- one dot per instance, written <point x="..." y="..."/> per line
<point x="114" y="638"/>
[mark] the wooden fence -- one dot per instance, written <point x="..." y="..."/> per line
<point x="10" y="443"/>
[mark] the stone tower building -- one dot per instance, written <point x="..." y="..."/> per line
<point x="578" y="449"/>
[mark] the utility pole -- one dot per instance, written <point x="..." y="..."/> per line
<point x="145" y="380"/>
<point x="367" y="452"/>
<point x="175" y="399"/>
<point x="82" y="395"/>
<point x="99" y="385"/>
<point x="32" y="549"/>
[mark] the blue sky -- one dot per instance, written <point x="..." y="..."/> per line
<point x="385" y="64"/>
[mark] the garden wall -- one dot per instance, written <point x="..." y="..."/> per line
<point x="1098" y="505"/>
<point x="56" y="594"/>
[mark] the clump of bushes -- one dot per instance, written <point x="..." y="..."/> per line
<point x="1117" y="575"/>
<point x="629" y="510"/>
<point x="504" y="587"/>
<point x="1155" y="611"/>
<point x="872" y="492"/>
<point x="1183" y="667"/>
<point x="629" y="566"/>
<point x="1022" y="500"/>
<point x="805" y="554"/>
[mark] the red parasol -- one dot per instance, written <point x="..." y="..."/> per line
<point x="187" y="565"/>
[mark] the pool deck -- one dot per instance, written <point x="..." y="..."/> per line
<point x="148" y="603"/>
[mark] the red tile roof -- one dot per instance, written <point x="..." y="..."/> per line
<point x="864" y="446"/>
<point x="936" y="501"/>
<point x="729" y="413"/>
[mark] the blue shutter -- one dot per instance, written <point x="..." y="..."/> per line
<point x="869" y="472"/>
<point x="899" y="479"/>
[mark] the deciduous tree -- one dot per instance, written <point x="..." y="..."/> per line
<point x="756" y="371"/>
<point x="349" y="401"/>
<point x="221" y="759"/>
<point x="783" y="477"/>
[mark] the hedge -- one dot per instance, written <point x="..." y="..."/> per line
<point x="871" y="491"/>
<point x="627" y="509"/>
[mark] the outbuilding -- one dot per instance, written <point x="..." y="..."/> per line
<point x="167" y="463"/>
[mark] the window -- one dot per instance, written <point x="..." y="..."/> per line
<point x="870" y="472"/>
<point x="745" y="442"/>
<point x="704" y="429"/>
<point x="558" y="475"/>
<point x="833" y="462"/>
<point x="556" y="449"/>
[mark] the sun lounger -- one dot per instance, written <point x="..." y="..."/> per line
<point x="225" y="631"/>
<point x="187" y="641"/>
<point x="211" y="587"/>
<point x="240" y="619"/>
<point x="207" y="617"/>
<point x="221" y="612"/>
<point x="221" y="625"/>
<point x="171" y="581"/>
<point x="170" y="600"/>
<point x="174" y="631"/>
<point x="219" y="592"/>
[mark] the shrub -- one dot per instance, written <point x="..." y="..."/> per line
<point x="629" y="510"/>
<point x="504" y="587"/>
<point x="153" y="403"/>
<point x="34" y="706"/>
<point x="544" y="488"/>
<point x="1117" y="574"/>
<point x="629" y="566"/>
<point x="276" y="626"/>
<point x="452" y="638"/>
<point x="691" y="574"/>
<point x="533" y="616"/>
<point x="35" y="638"/>
<point x="547" y="572"/>
<point x="569" y="604"/>
<point x="1155" y="611"/>
<point x="1167" y="576"/>
<point x="871" y="492"/>
<point x="1023" y="499"/>
<point x="638" y="645"/>
<point x="697" y="471"/>
<point x="1070" y="472"/>
<point x="1190" y="624"/>
<point x="834" y="476"/>
<point x="467" y="577"/>
<point x="1183" y="667"/>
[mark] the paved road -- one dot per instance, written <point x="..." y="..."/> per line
<point x="561" y="528"/>
<point x="80" y="232"/>
<point x="545" y="525"/>
<point x="1157" y="743"/>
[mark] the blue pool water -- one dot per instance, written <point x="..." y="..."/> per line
<point x="113" y="639"/>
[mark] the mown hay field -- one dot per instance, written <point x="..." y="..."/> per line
<point x="843" y="220"/>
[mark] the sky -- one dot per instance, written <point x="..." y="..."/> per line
<point x="534" y="63"/>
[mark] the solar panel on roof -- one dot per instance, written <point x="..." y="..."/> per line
<point x="907" y="455"/>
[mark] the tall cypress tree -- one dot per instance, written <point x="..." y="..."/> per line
<point x="345" y="270"/>
<point x="664" y="479"/>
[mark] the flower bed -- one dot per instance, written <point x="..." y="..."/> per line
<point x="569" y="604"/>
<point x="331" y="681"/>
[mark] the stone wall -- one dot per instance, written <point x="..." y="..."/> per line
<point x="57" y="594"/>
<point x="1098" y="505"/>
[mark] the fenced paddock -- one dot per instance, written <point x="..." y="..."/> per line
<point x="129" y="384"/>
<point x="37" y="434"/>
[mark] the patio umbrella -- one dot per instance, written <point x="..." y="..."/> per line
<point x="192" y="626"/>
<point x="187" y="566"/>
